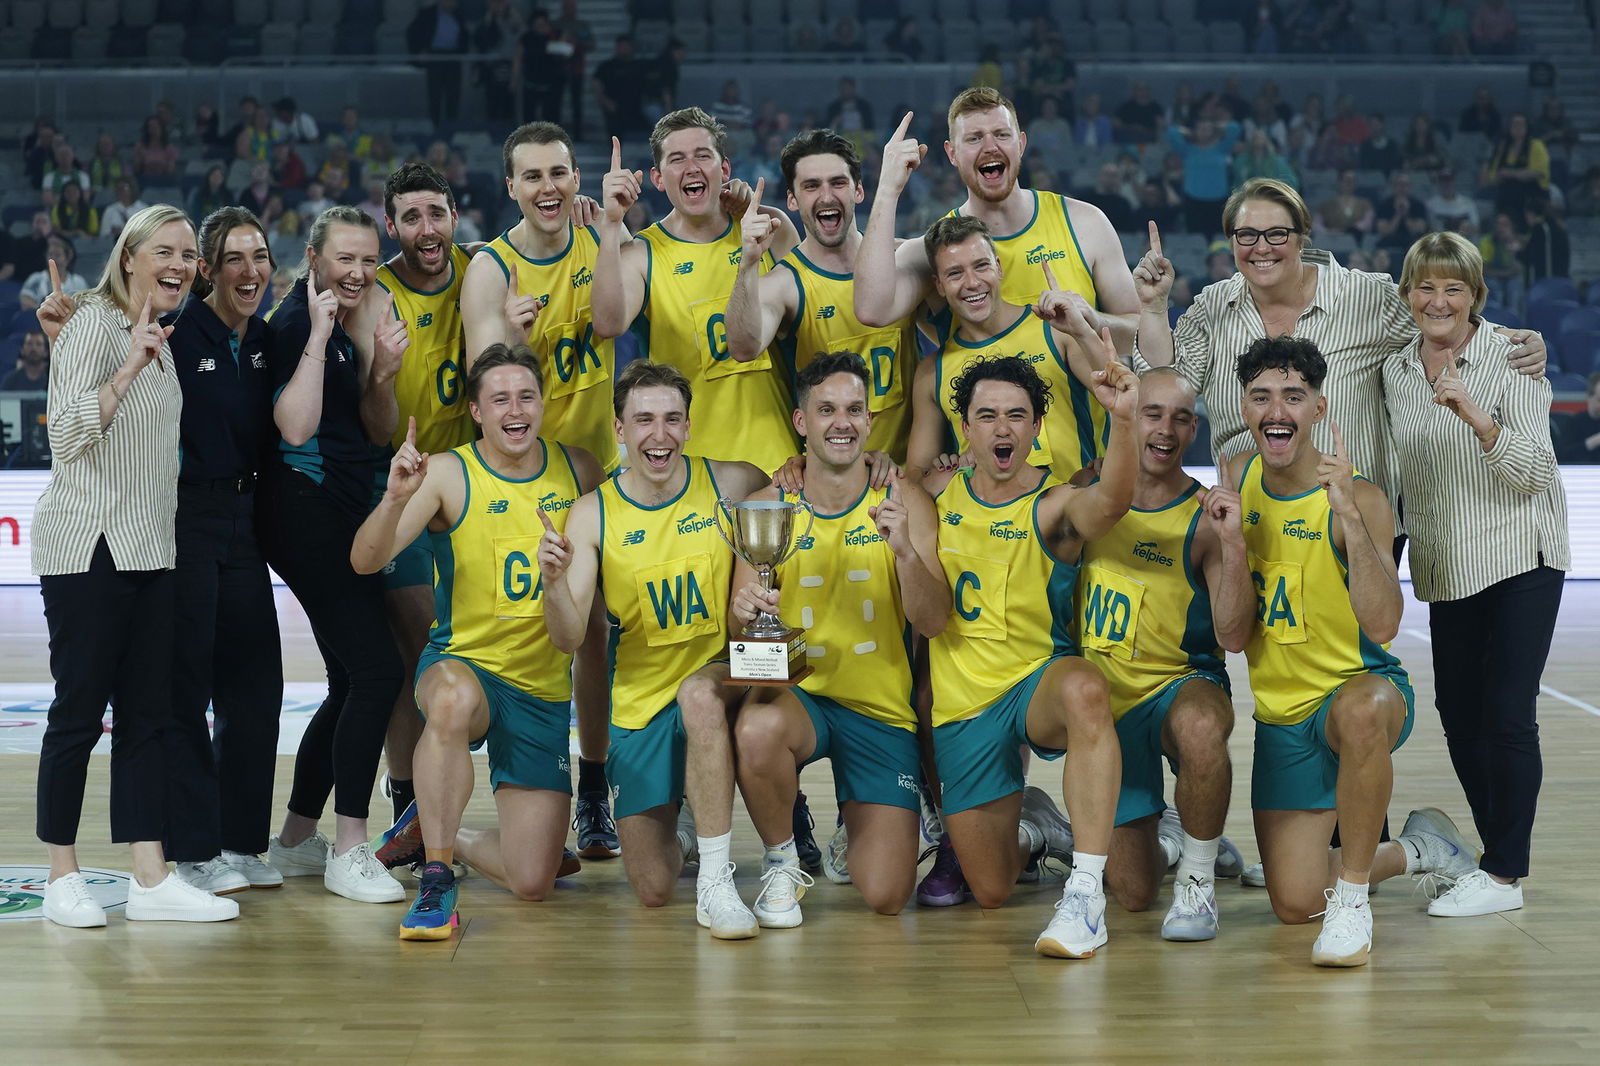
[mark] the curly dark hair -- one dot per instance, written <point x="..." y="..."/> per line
<point x="1012" y="369"/>
<point x="824" y="367"/>
<point x="415" y="177"/>
<point x="819" y="142"/>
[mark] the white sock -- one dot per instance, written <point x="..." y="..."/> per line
<point x="1170" y="849"/>
<point x="1199" y="858"/>
<point x="1413" y="853"/>
<point x="1354" y="895"/>
<point x="783" y="854"/>
<point x="1030" y="838"/>
<point x="1093" y="865"/>
<point x="713" y="856"/>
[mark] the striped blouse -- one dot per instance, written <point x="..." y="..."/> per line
<point x="1476" y="517"/>
<point x="120" y="482"/>
<point x="1355" y="319"/>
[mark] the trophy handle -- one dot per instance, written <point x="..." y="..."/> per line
<point x="725" y="504"/>
<point x="811" y="520"/>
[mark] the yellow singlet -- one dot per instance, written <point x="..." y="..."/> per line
<point x="487" y="592"/>
<point x="1075" y="428"/>
<point x="578" y="366"/>
<point x="842" y="588"/>
<point x="1048" y="237"/>
<point x="1012" y="609"/>
<point x="825" y="321"/>
<point x="431" y="384"/>
<point x="1144" y="616"/>
<point x="664" y="571"/>
<point x="741" y="410"/>
<point x="1307" y="641"/>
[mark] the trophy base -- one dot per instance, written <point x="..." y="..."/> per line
<point x="778" y="660"/>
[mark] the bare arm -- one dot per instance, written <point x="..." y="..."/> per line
<point x="569" y="565"/>
<point x="382" y="356"/>
<point x="908" y="520"/>
<point x="759" y="303"/>
<point x="1092" y="511"/>
<point x="927" y="421"/>
<point x="620" y="263"/>
<point x="1364" y="529"/>
<point x="890" y="282"/>
<point x="410" y="502"/>
<point x="483" y="296"/>
<point x="1115" y="299"/>
<point x="1225" y="565"/>
<point x="739" y="481"/>
<point x="298" y="409"/>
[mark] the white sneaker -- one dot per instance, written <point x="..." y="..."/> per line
<point x="782" y="887"/>
<point x="836" y="857"/>
<point x="176" y="900"/>
<point x="1477" y="893"/>
<point x="1229" y="862"/>
<point x="688" y="840"/>
<point x="1255" y="876"/>
<point x="1040" y="812"/>
<point x="216" y="876"/>
<point x="358" y="875"/>
<point x="717" y="907"/>
<point x="1079" y="925"/>
<point x="1193" y="914"/>
<point x="309" y="858"/>
<point x="1446" y="855"/>
<point x="68" y="902"/>
<point x="256" y="872"/>
<point x="1346" y="937"/>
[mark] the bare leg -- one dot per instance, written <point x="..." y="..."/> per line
<point x="708" y="762"/>
<point x="524" y="853"/>
<point x="1364" y="722"/>
<point x="985" y="839"/>
<point x="773" y="736"/>
<point x="410" y="611"/>
<point x="1071" y="709"/>
<point x="650" y="853"/>
<point x="883" y="853"/>
<point x="1136" y="865"/>
<point x="457" y="712"/>
<point x="591" y="687"/>
<point x="1196" y="732"/>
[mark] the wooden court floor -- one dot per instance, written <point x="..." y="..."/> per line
<point x="591" y="977"/>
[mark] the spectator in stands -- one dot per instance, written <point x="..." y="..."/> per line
<point x="436" y="35"/>
<point x="1185" y="109"/>
<point x="211" y="194"/>
<point x="1109" y="197"/>
<point x="63" y="170"/>
<point x="1158" y="205"/>
<point x="905" y="40"/>
<point x="1380" y="151"/>
<point x="316" y="201"/>
<point x="1138" y="119"/>
<point x="1451" y="29"/>
<point x="1339" y="32"/>
<point x="338" y="170"/>
<point x="1207" y="153"/>
<point x="373" y="204"/>
<point x="1518" y="169"/>
<point x="1501" y="250"/>
<point x="579" y="36"/>
<point x="438" y="156"/>
<point x="73" y="214"/>
<point x="1480" y="116"/>
<point x="1302" y="27"/>
<point x="735" y="115"/>
<point x="1092" y="129"/>
<point x="1546" y="253"/>
<point x="990" y="73"/>
<point x="207" y="129"/>
<point x="29" y="251"/>
<point x="37" y="286"/>
<point x="248" y="106"/>
<point x="38" y="150"/>
<point x="1494" y="29"/>
<point x="1350" y="124"/>
<point x="1560" y="137"/>
<point x="106" y="167"/>
<point x="1579" y="433"/>
<point x="1401" y="218"/>
<point x="620" y="84"/>
<point x="498" y="34"/>
<point x="1584" y="200"/>
<point x="1050" y="136"/>
<point x="155" y="157"/>
<point x="356" y="141"/>
<point x="1346" y="211"/>
<point x="126" y="205"/>
<point x="1263" y="29"/>
<point x="1449" y="208"/>
<point x="1264" y="117"/>
<point x="1173" y="183"/>
<point x="659" y="76"/>
<point x="32" y="372"/>
<point x="848" y="112"/>
<point x="1422" y="150"/>
<point x="254" y="142"/>
<point x="291" y="124"/>
<point x="382" y="159"/>
<point x="1045" y="69"/>
<point x="542" y="62"/>
<point x="253" y="197"/>
<point x="288" y="169"/>
<point x="1260" y="159"/>
<point x="845" y="37"/>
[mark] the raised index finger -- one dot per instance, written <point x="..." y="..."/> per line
<point x="411" y="432"/>
<point x="55" y="278"/>
<point x="755" y="197"/>
<point x="144" y="315"/>
<point x="1338" y="442"/>
<point x="616" y="154"/>
<point x="1155" y="238"/>
<point x="905" y="125"/>
<point x="544" y="516"/>
<point x="1049" y="277"/>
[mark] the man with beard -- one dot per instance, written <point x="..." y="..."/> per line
<point x="807" y="302"/>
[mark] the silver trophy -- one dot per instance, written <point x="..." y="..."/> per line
<point x="761" y="532"/>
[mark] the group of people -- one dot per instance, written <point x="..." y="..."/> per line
<point x="1007" y="560"/>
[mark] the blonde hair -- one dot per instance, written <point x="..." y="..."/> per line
<point x="113" y="283"/>
<point x="338" y="214"/>
<point x="1445" y="255"/>
<point x="977" y="99"/>
<point x="1272" y="191"/>
<point x="687" y="118"/>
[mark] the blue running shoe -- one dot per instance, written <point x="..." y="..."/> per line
<point x="433" y="914"/>
<point x="401" y="843"/>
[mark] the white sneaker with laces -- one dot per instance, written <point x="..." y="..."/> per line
<point x="309" y="858"/>
<point x="68" y="902"/>
<point x="782" y="887"/>
<point x="256" y="872"/>
<point x="176" y="900"/>
<point x="358" y="875"/>
<point x="717" y="907"/>
<point x="216" y="876"/>
<point x="1346" y="937"/>
<point x="1254" y="876"/>
<point x="1041" y="812"/>
<point x="1446" y="855"/>
<point x="836" y="857"/>
<point x="1477" y="893"/>
<point x="1193" y="914"/>
<point x="1079" y="925"/>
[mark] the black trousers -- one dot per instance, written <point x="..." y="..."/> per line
<point x="444" y="91"/>
<point x="306" y="535"/>
<point x="228" y="655"/>
<point x="1489" y="651"/>
<point x="110" y="640"/>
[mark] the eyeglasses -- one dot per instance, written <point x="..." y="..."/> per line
<point x="1245" y="238"/>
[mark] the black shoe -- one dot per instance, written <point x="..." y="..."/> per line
<point x="805" y="843"/>
<point x="597" y="833"/>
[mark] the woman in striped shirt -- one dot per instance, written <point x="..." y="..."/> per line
<point x="103" y="547"/>
<point x="1487" y="516"/>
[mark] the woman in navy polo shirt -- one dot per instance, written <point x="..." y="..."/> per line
<point x="219" y="784"/>
<point x="315" y="495"/>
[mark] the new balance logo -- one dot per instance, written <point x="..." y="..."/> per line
<point x="826" y="312"/>
<point x="633" y="536"/>
<point x="952" y="519"/>
<point x="1252" y="518"/>
<point x="1147" y="549"/>
<point x="207" y="364"/>
<point x="683" y="268"/>
<point x="425" y="319"/>
<point x="807" y="543"/>
<point x="499" y="506"/>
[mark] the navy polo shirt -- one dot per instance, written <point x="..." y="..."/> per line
<point x="338" y="457"/>
<point x="226" y="426"/>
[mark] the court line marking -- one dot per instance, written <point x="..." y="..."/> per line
<point x="1553" y="693"/>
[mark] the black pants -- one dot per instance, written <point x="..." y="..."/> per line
<point x="444" y="90"/>
<point x="306" y="535"/>
<point x="227" y="654"/>
<point x="110" y="640"/>
<point x="1489" y="652"/>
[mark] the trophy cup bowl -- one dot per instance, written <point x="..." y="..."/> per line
<point x="761" y="532"/>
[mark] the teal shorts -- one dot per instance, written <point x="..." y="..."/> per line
<point x="873" y="762"/>
<point x="645" y="766"/>
<point x="413" y="566"/>
<point x="529" y="739"/>
<point x="1139" y="733"/>
<point x="1294" y="768"/>
<point x="978" y="758"/>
